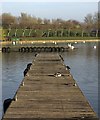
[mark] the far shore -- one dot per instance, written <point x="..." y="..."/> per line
<point x="48" y="41"/>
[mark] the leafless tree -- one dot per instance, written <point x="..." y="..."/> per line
<point x="8" y="20"/>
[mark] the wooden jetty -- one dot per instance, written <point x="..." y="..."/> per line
<point x="48" y="91"/>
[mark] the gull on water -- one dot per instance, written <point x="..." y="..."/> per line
<point x="94" y="46"/>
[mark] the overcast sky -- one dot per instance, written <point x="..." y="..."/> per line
<point x="63" y="10"/>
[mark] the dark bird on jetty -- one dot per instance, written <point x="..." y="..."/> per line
<point x="35" y="55"/>
<point x="27" y="69"/>
<point x="6" y="104"/>
<point x="29" y="65"/>
<point x="68" y="67"/>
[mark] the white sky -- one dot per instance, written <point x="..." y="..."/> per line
<point x="50" y="0"/>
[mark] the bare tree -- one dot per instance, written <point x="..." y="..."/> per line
<point x="91" y="22"/>
<point x="46" y="21"/>
<point x="27" y="21"/>
<point x="39" y="21"/>
<point x="8" y="20"/>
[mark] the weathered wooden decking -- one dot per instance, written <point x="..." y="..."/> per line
<point x="44" y="95"/>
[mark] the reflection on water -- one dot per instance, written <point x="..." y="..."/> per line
<point x="84" y="67"/>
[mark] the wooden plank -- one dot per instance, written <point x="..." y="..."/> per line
<point x="48" y="96"/>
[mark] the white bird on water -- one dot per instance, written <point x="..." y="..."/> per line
<point x="43" y="41"/>
<point x="72" y="47"/>
<point x="55" y="43"/>
<point x="69" y="45"/>
<point x="94" y="46"/>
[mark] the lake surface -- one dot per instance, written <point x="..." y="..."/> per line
<point x="83" y="62"/>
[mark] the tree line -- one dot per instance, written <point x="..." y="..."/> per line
<point x="26" y="21"/>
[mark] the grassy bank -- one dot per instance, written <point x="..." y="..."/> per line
<point x="30" y="42"/>
<point x="60" y="41"/>
<point x="59" y="38"/>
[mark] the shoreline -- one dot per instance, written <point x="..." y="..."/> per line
<point x="47" y="41"/>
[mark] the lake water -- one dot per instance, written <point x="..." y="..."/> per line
<point x="83" y="62"/>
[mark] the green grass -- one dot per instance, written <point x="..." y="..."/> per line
<point x="59" y="38"/>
